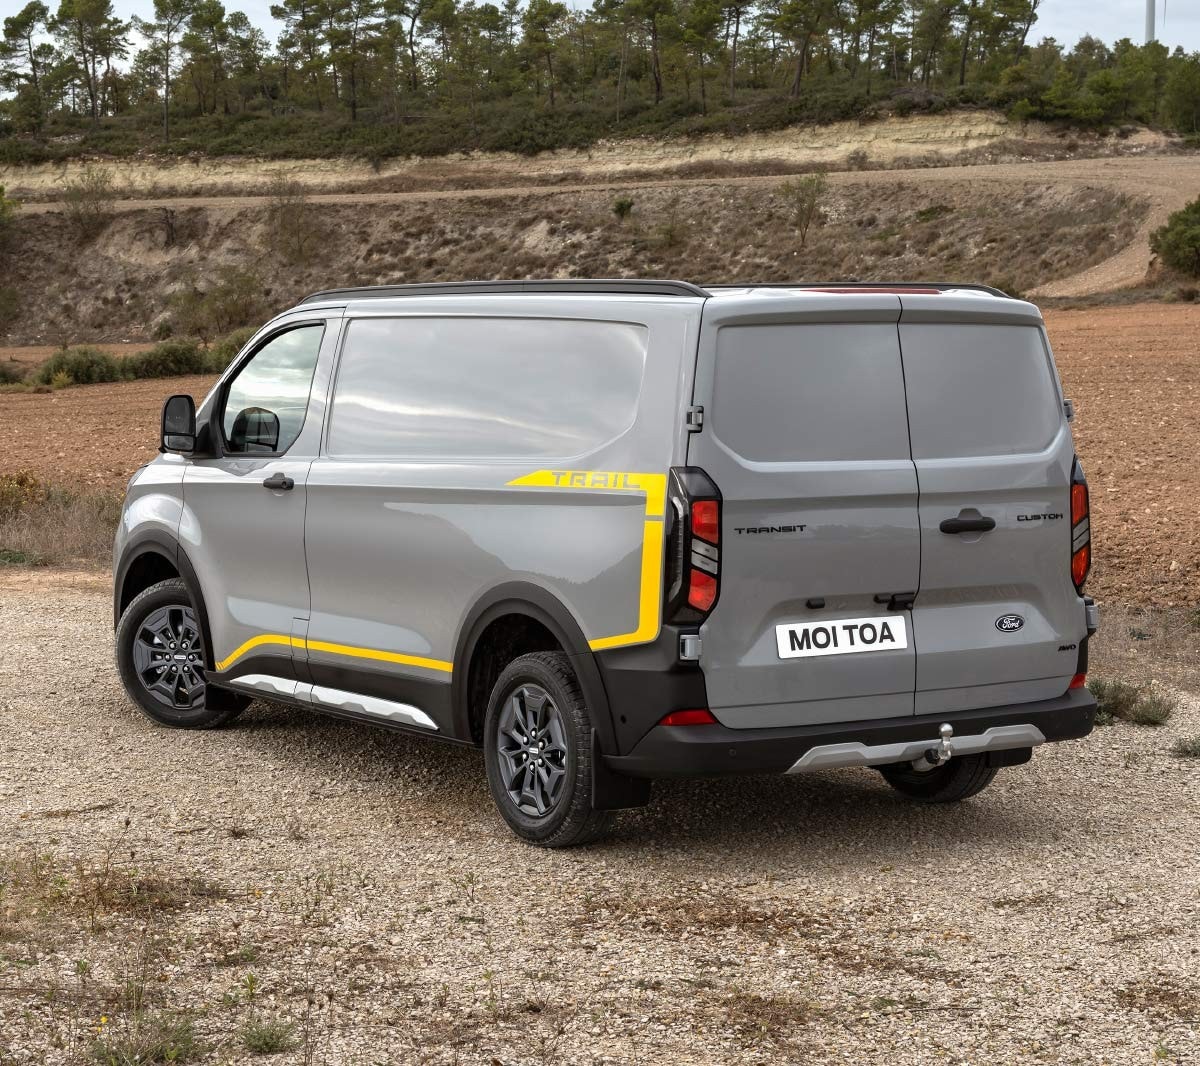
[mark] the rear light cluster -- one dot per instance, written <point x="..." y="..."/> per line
<point x="694" y="546"/>
<point x="1081" y="528"/>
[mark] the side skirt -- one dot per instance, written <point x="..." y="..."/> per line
<point x="339" y="703"/>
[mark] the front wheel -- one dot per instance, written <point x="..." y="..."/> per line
<point x="161" y="659"/>
<point x="537" y="741"/>
<point x="961" y="778"/>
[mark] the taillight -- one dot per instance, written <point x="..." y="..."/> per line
<point x="1078" y="681"/>
<point x="1081" y="528"/>
<point x="694" y="547"/>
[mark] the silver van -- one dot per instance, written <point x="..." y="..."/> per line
<point x="611" y="531"/>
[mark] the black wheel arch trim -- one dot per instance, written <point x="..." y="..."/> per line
<point x="532" y="601"/>
<point x="159" y="542"/>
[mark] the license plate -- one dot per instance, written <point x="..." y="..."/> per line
<point x="841" y="636"/>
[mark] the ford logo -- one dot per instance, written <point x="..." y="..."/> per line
<point x="1009" y="623"/>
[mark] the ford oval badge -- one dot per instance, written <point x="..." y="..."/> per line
<point x="1009" y="623"/>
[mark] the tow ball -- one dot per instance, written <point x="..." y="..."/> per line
<point x="935" y="757"/>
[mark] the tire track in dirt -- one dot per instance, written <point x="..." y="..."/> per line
<point x="1165" y="183"/>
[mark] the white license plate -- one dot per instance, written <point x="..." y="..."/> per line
<point x="841" y="636"/>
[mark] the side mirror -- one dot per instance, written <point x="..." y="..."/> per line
<point x="179" y="424"/>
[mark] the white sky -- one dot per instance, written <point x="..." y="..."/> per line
<point x="1065" y="20"/>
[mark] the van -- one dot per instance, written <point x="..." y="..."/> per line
<point x="613" y="531"/>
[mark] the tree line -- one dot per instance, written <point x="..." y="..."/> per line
<point x="401" y="64"/>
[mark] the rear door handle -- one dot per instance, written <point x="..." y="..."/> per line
<point x="279" y="482"/>
<point x="968" y="525"/>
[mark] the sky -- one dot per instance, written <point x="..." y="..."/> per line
<point x="1064" y="20"/>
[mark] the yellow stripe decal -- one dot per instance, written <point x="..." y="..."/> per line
<point x="335" y="649"/>
<point x="654" y="486"/>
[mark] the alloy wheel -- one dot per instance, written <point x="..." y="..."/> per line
<point x="532" y="746"/>
<point x="168" y="656"/>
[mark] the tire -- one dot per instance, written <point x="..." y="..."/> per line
<point x="553" y="807"/>
<point x="158" y="627"/>
<point x="959" y="779"/>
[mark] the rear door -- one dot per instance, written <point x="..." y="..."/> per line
<point x="806" y="436"/>
<point x="997" y="619"/>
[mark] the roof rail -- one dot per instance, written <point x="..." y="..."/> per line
<point x="916" y="286"/>
<point x="619" y="286"/>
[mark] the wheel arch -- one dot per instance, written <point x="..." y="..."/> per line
<point x="521" y="600"/>
<point x="157" y="555"/>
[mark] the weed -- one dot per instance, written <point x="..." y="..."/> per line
<point x="268" y="1036"/>
<point x="149" y="1038"/>
<point x="858" y="159"/>
<point x="10" y="308"/>
<point x="1187" y="747"/>
<point x="88" y="201"/>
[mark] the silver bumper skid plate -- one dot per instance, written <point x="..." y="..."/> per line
<point x="853" y="753"/>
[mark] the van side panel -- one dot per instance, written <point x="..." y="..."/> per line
<point x="401" y="545"/>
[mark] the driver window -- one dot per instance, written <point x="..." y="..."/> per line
<point x="267" y="401"/>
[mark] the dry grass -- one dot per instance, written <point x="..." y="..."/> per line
<point x="44" y="525"/>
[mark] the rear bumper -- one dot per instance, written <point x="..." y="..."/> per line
<point x="715" y="751"/>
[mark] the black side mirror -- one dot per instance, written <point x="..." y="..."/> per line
<point x="179" y="424"/>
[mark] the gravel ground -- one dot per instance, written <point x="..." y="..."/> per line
<point x="365" y="882"/>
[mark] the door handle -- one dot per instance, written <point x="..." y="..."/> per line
<point x="279" y="483"/>
<point x="968" y="525"/>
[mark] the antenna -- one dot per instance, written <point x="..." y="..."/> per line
<point x="1150" y="5"/>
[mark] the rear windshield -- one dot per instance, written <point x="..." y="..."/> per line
<point x="978" y="389"/>
<point x="810" y="392"/>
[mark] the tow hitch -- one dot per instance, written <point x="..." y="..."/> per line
<point x="935" y="757"/>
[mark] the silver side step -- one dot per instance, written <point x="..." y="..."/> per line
<point x="335" y="699"/>
<point x="998" y="738"/>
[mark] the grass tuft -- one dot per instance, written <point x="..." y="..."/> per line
<point x="268" y="1036"/>
<point x="1119" y="700"/>
<point x="149" y="1038"/>
<point x="1187" y="747"/>
<point x="45" y="525"/>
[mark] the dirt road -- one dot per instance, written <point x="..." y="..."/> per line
<point x="358" y="884"/>
<point x="1168" y="183"/>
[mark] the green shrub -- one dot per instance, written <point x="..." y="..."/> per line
<point x="232" y="299"/>
<point x="1178" y="242"/>
<point x="10" y="307"/>
<point x="1187" y="747"/>
<point x="10" y="372"/>
<point x="804" y="197"/>
<point x="78" y="366"/>
<point x="221" y="354"/>
<point x="1154" y="708"/>
<point x="623" y="207"/>
<point x="166" y="359"/>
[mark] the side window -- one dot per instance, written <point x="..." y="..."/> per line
<point x="478" y="388"/>
<point x="267" y="401"/>
<point x="804" y="393"/>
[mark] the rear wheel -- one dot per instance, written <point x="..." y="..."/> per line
<point x="959" y="779"/>
<point x="538" y="748"/>
<point x="161" y="659"/>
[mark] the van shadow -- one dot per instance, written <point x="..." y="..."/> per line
<point x="836" y="817"/>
